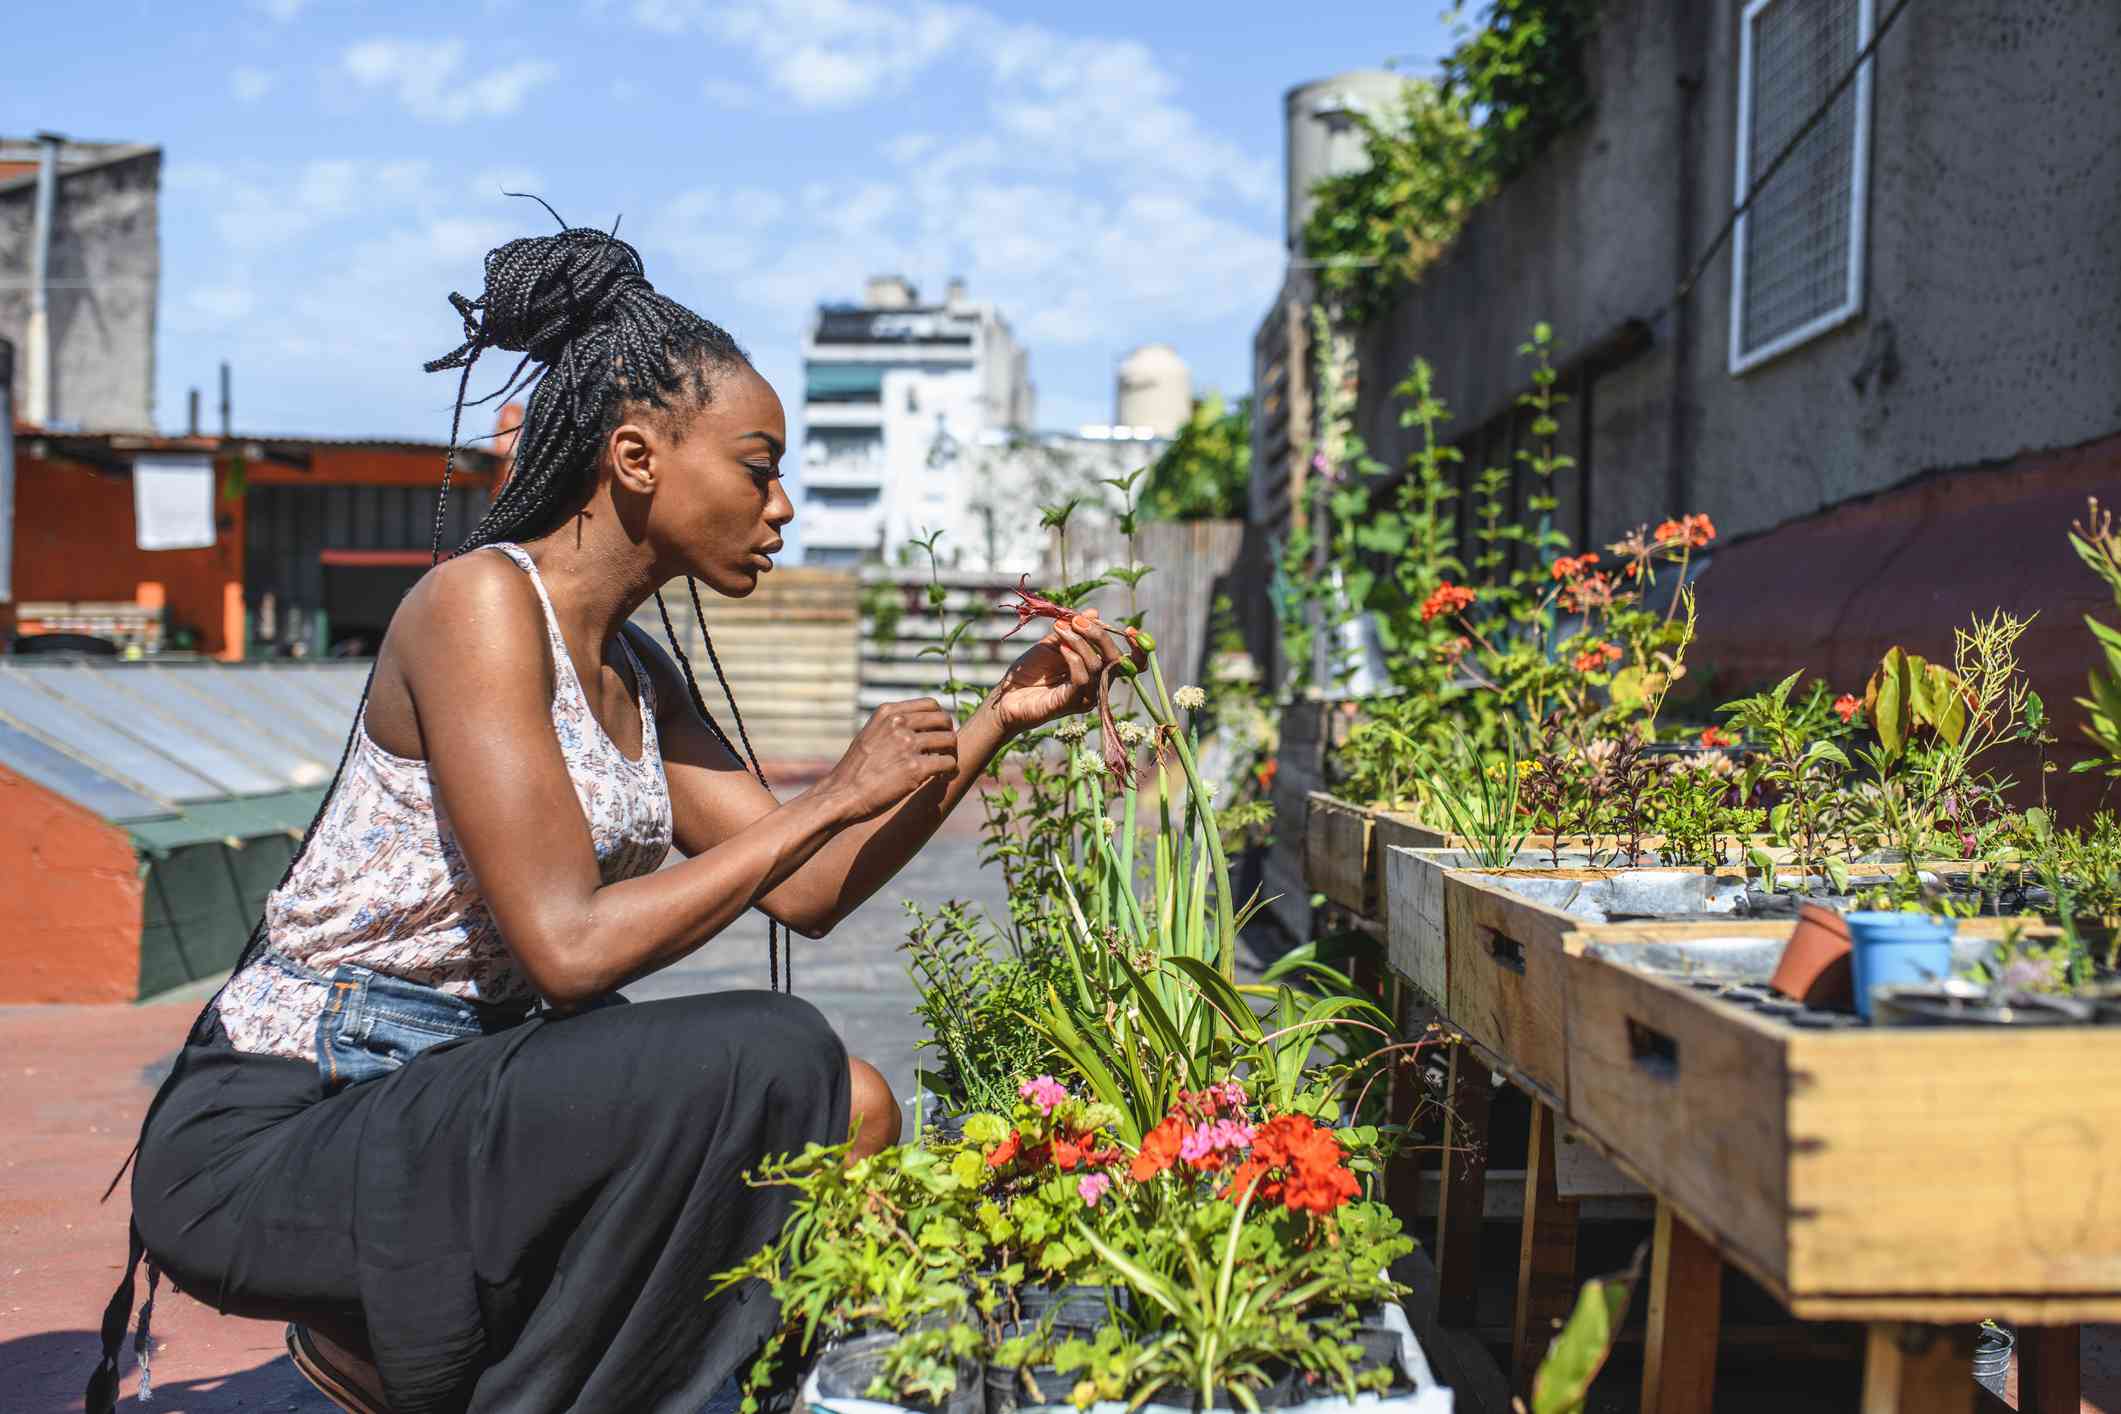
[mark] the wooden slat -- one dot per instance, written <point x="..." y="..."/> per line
<point x="1918" y="1370"/>
<point x="1465" y="1171"/>
<point x="2050" y="1369"/>
<point x="1546" y="1255"/>
<point x="1685" y="1319"/>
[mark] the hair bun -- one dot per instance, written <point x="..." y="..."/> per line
<point x="542" y="291"/>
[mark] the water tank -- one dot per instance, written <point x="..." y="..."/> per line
<point x="1322" y="137"/>
<point x="1154" y="390"/>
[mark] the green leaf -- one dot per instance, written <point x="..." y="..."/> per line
<point x="1579" y="1352"/>
<point x="1890" y="715"/>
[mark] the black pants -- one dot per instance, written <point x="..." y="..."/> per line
<point x="526" y="1221"/>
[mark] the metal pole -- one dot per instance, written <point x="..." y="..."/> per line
<point x="224" y="399"/>
<point x="192" y="420"/>
<point x="37" y="377"/>
<point x="7" y="472"/>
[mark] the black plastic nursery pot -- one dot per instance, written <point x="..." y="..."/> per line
<point x="846" y="1371"/>
<point x="1075" y="1307"/>
<point x="1380" y="1350"/>
<point x="1280" y="1393"/>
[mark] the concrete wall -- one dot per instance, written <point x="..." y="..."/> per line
<point x="106" y="269"/>
<point x="1992" y="273"/>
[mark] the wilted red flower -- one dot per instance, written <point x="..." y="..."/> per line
<point x="1448" y="598"/>
<point x="1454" y="650"/>
<point x="1597" y="656"/>
<point x="1715" y="736"/>
<point x="1590" y="591"/>
<point x="1846" y="706"/>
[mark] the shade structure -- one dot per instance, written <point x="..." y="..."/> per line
<point x="210" y="772"/>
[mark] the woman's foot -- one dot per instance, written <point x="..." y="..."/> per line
<point x="347" y="1376"/>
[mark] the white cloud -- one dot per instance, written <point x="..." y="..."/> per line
<point x="248" y="85"/>
<point x="428" y="77"/>
<point x="257" y="208"/>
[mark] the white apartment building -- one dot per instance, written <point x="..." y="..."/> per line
<point x="897" y="397"/>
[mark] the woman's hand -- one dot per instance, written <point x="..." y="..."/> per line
<point x="903" y="747"/>
<point x="1057" y="676"/>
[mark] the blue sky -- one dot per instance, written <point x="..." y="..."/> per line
<point x="1108" y="173"/>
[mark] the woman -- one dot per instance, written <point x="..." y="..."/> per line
<point x="460" y="1201"/>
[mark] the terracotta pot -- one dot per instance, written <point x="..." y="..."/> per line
<point x="1815" y="965"/>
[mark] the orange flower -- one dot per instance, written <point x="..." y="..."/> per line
<point x="1691" y="531"/>
<point x="1714" y="736"/>
<point x="1066" y="1153"/>
<point x="1266" y="772"/>
<point x="1159" y="1149"/>
<point x="1846" y="707"/>
<point x="1597" y="656"/>
<point x="1006" y="1151"/>
<point x="1297" y="1164"/>
<point x="1448" y="598"/>
<point x="1574" y="566"/>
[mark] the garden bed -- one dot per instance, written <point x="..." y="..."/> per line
<point x="1854" y="1169"/>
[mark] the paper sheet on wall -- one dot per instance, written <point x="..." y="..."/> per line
<point x="173" y="502"/>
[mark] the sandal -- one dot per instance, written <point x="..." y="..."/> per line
<point x="338" y="1386"/>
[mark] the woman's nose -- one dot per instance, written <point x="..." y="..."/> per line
<point x="779" y="509"/>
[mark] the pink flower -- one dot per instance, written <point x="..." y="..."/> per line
<point x="1093" y="1186"/>
<point x="1045" y="1092"/>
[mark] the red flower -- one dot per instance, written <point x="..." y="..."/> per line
<point x="1714" y="736"/>
<point x="1448" y="598"/>
<point x="1159" y="1149"/>
<point x="1597" y="656"/>
<point x="1846" y="707"/>
<point x="1574" y="566"/>
<point x="1006" y="1151"/>
<point x="1266" y="772"/>
<point x="1298" y="1164"/>
<point x="1066" y="1153"/>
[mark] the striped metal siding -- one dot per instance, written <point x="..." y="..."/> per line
<point x="289" y="526"/>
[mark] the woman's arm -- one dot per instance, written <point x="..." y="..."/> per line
<point x="714" y="797"/>
<point x="478" y="669"/>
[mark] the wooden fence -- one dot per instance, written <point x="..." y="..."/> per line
<point x="790" y="652"/>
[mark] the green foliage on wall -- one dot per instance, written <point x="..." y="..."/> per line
<point x="1511" y="86"/>
<point x="1203" y="474"/>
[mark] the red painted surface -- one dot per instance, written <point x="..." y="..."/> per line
<point x="72" y="886"/>
<point x="1831" y="593"/>
<point x="75" y="540"/>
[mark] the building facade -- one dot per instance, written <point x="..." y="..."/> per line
<point x="101" y="261"/>
<point x="1891" y="387"/>
<point x="898" y="399"/>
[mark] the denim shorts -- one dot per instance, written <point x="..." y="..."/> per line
<point x="373" y="1023"/>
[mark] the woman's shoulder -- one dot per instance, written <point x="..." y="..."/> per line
<point x="476" y="611"/>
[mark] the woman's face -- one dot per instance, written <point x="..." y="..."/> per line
<point x="717" y="506"/>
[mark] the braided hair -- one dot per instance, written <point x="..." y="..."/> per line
<point x="598" y="342"/>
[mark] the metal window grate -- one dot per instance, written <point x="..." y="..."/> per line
<point x="1798" y="257"/>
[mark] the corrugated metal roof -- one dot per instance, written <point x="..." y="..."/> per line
<point x="165" y="741"/>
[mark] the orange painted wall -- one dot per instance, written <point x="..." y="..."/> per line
<point x="73" y="891"/>
<point x="74" y="539"/>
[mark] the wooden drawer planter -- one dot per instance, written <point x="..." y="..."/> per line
<point x="1504" y="954"/>
<point x="1941" y="1174"/>
<point x="1344" y="848"/>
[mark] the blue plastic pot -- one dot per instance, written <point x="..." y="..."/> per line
<point x="1888" y="949"/>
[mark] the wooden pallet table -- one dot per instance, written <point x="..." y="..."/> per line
<point x="1909" y="1178"/>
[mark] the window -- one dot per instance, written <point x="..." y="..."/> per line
<point x="843" y="498"/>
<point x="843" y="383"/>
<point x="1797" y="261"/>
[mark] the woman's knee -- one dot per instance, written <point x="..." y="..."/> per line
<point x="873" y="1118"/>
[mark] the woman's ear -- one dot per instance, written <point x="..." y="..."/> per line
<point x="633" y="458"/>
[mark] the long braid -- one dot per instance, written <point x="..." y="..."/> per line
<point x="776" y="948"/>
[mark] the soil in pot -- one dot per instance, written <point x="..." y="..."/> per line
<point x="1814" y="967"/>
<point x="1964" y="1004"/>
<point x="847" y="1370"/>
<point x="1179" y="1399"/>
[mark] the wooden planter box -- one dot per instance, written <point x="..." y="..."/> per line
<point x="1869" y="1173"/>
<point x="1344" y="851"/>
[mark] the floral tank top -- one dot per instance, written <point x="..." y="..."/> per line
<point x="384" y="883"/>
